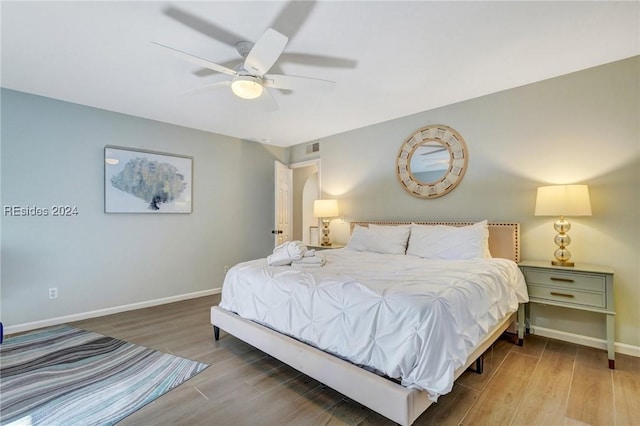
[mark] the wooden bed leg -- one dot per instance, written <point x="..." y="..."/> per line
<point x="216" y="333"/>
<point x="479" y="364"/>
<point x="521" y="324"/>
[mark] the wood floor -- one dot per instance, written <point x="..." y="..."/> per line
<point x="545" y="382"/>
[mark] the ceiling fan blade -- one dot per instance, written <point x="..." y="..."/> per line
<point x="292" y="82"/>
<point x="265" y="52"/>
<point x="205" y="72"/>
<point x="199" y="61"/>
<point x="216" y="85"/>
<point x="318" y="60"/>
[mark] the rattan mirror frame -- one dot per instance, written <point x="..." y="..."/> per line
<point x="458" y="161"/>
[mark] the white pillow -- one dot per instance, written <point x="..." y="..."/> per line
<point x="450" y="242"/>
<point x="358" y="239"/>
<point x="380" y="239"/>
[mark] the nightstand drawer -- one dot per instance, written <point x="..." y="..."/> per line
<point x="567" y="295"/>
<point x="566" y="280"/>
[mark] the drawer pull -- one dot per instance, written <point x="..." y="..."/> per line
<point x="553" y="293"/>
<point x="564" y="280"/>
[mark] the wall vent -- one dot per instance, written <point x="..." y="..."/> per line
<point x="313" y="147"/>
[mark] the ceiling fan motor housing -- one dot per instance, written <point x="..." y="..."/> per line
<point x="244" y="47"/>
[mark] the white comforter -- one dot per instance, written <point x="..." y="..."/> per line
<point x="409" y="318"/>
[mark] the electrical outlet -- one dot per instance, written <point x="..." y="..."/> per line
<point x="53" y="293"/>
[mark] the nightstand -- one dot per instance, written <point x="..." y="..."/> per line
<point x="584" y="287"/>
<point x="332" y="246"/>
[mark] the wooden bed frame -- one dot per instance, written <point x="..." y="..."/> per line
<point x="396" y="402"/>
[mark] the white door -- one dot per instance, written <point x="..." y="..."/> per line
<point x="283" y="204"/>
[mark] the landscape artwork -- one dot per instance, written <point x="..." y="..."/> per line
<point x="139" y="181"/>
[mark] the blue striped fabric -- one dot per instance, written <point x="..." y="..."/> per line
<point x="67" y="376"/>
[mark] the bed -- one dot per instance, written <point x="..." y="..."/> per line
<point x="370" y="324"/>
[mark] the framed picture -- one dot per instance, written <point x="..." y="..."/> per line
<point x="140" y="181"/>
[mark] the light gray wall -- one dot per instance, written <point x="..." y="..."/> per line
<point x="578" y="128"/>
<point x="52" y="153"/>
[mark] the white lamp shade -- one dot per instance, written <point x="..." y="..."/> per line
<point x="325" y="208"/>
<point x="246" y="88"/>
<point x="563" y="200"/>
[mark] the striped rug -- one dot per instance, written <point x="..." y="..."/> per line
<point x="67" y="376"/>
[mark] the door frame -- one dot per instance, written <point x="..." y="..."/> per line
<point x="308" y="163"/>
<point x="302" y="164"/>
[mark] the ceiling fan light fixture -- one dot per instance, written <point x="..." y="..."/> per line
<point x="246" y="87"/>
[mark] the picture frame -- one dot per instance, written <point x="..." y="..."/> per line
<point x="143" y="181"/>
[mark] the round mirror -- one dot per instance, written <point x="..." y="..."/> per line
<point x="429" y="162"/>
<point x="432" y="161"/>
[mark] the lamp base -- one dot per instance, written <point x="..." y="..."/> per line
<point x="326" y="240"/>
<point x="560" y="263"/>
<point x="562" y="240"/>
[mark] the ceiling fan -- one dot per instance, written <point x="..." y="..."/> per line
<point x="289" y="21"/>
<point x="249" y="78"/>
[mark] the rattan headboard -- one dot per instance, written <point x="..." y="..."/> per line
<point x="504" y="238"/>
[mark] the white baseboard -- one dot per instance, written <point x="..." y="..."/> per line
<point x="579" y="339"/>
<point x="19" y="328"/>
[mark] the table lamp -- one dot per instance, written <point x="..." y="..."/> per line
<point x="325" y="209"/>
<point x="563" y="200"/>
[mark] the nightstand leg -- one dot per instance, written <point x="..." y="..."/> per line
<point x="521" y="324"/>
<point x="611" y="341"/>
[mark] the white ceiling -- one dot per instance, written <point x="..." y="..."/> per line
<point x="388" y="58"/>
